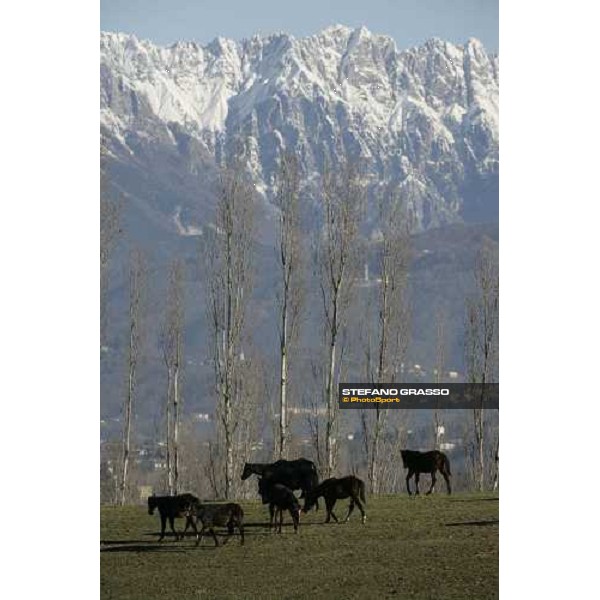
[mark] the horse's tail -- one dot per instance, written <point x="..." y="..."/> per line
<point x="447" y="464"/>
<point x="361" y="491"/>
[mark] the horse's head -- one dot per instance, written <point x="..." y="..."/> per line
<point x="263" y="490"/>
<point x="310" y="499"/>
<point x="404" y="455"/>
<point x="247" y="471"/>
<point x="151" y="504"/>
<point x="296" y="509"/>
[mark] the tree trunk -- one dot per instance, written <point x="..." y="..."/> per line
<point x="228" y="450"/>
<point x="330" y="426"/>
<point x="283" y="434"/>
<point x="374" y="462"/>
<point x="176" y="429"/>
<point x="169" y="465"/>
<point x="127" y="433"/>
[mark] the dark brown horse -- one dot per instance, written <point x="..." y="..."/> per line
<point x="426" y="462"/>
<point x="171" y="508"/>
<point x="337" y="489"/>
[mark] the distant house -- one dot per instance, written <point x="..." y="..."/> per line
<point x="201" y="417"/>
<point x="296" y="410"/>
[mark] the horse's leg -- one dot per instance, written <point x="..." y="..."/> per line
<point x="363" y="514"/>
<point x="230" y="530"/>
<point x="410" y="474"/>
<point x="296" y="520"/>
<point x="350" y="509"/>
<point x="272" y="513"/>
<point x="280" y="519"/>
<point x="193" y="523"/>
<point x="328" y="510"/>
<point x="447" y="478"/>
<point x="417" y="475"/>
<point x="212" y="531"/>
<point x="331" y="511"/>
<point x="432" y="483"/>
<point x="172" y="525"/>
<point x="240" y="527"/>
<point x="163" y="526"/>
<point x="187" y="524"/>
<point x="201" y="535"/>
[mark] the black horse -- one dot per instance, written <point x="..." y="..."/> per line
<point x="426" y="462"/>
<point x="279" y="498"/>
<point x="171" y="508"/>
<point x="300" y="474"/>
<point x="337" y="489"/>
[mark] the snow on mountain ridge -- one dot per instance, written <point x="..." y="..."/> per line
<point x="430" y="111"/>
<point x="185" y="79"/>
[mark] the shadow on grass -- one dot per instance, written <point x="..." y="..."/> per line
<point x="145" y="548"/>
<point x="494" y="499"/>
<point x="285" y="524"/>
<point x="473" y="523"/>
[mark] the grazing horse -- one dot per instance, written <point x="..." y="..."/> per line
<point x="300" y="474"/>
<point x="426" y="462"/>
<point x="229" y="515"/>
<point x="279" y="498"/>
<point x="337" y="489"/>
<point x="173" y="507"/>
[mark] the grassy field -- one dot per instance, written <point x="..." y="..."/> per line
<point x="434" y="547"/>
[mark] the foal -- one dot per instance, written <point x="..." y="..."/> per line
<point x="279" y="498"/>
<point x="337" y="489"/>
<point x="229" y="515"/>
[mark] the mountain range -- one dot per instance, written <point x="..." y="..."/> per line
<point x="423" y="119"/>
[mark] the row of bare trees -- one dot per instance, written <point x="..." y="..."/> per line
<point x="241" y="383"/>
<point x="228" y="251"/>
<point x="386" y="343"/>
<point x="481" y="355"/>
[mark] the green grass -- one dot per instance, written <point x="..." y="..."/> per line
<point x="429" y="547"/>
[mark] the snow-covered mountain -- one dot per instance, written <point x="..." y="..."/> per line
<point x="425" y="118"/>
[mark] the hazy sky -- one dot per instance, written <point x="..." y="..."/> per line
<point x="409" y="22"/>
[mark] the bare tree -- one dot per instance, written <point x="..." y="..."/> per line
<point x="392" y="323"/>
<point x="343" y="200"/>
<point x="137" y="274"/>
<point x="313" y="405"/>
<point x="496" y="468"/>
<point x="254" y="386"/>
<point x="482" y="345"/>
<point x="172" y="348"/>
<point x="440" y="366"/>
<point x="110" y="218"/>
<point x="229" y="260"/>
<point x="290" y="296"/>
